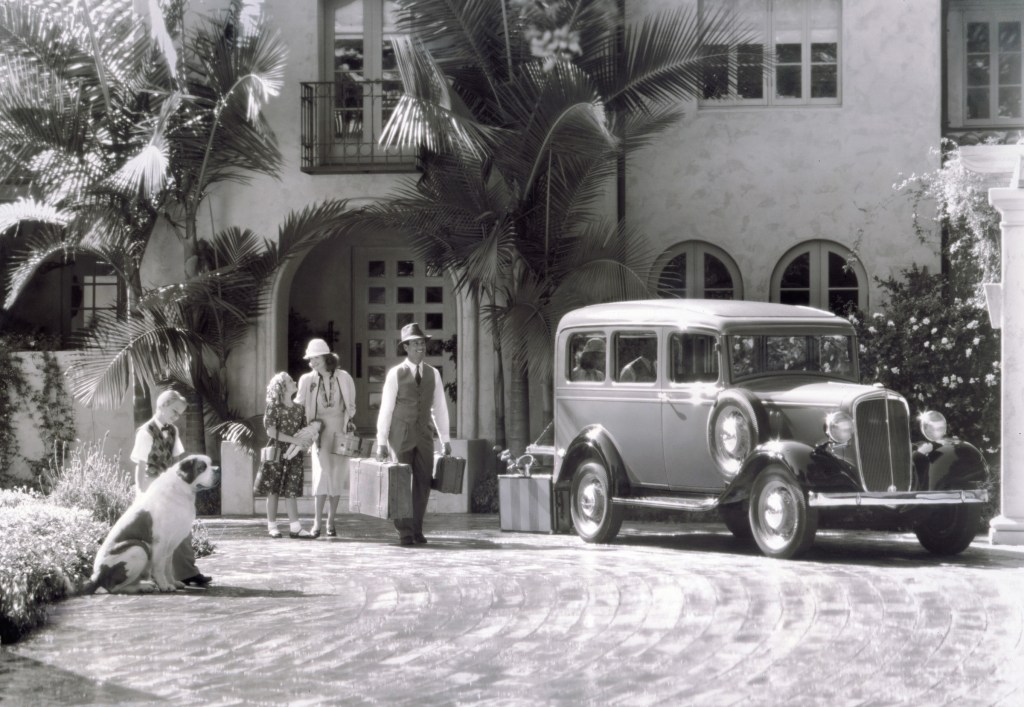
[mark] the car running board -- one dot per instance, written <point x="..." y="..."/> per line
<point x="680" y="503"/>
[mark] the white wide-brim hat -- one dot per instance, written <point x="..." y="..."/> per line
<point x="316" y="347"/>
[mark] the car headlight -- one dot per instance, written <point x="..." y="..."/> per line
<point x="933" y="425"/>
<point x="839" y="427"/>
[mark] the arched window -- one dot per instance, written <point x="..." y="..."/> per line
<point x="696" y="269"/>
<point x="820" y="274"/>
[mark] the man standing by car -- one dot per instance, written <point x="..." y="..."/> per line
<point x="413" y="396"/>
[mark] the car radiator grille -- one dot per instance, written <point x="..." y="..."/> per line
<point x="884" y="450"/>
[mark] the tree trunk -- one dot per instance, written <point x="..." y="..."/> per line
<point x="519" y="410"/>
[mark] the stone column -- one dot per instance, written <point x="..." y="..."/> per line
<point x="1008" y="315"/>
<point x="1008" y="527"/>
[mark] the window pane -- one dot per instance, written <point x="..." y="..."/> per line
<point x="435" y="295"/>
<point x="377" y="295"/>
<point x="1009" y="37"/>
<point x="824" y="52"/>
<point x="750" y="71"/>
<point x="635" y="355"/>
<point x="795" y="297"/>
<point x="375" y="322"/>
<point x="434" y="320"/>
<point x="719" y="294"/>
<point x="586" y="357"/>
<point x="716" y="71"/>
<point x="435" y="347"/>
<point x="787" y="82"/>
<point x="1009" y="69"/>
<point x="672" y="282"/>
<point x="716" y="275"/>
<point x="376" y="268"/>
<point x="824" y="83"/>
<point x="1009" y="102"/>
<point x="405" y="295"/>
<point x="375" y="347"/>
<point x="798" y="273"/>
<point x="977" y="37"/>
<point x="403" y="318"/>
<point x="406" y="268"/>
<point x="376" y="373"/>
<point x="841" y="301"/>
<point x="977" y="71"/>
<point x="839" y="275"/>
<point x="694" y="358"/>
<point x="788" y="53"/>
<point x="977" y="103"/>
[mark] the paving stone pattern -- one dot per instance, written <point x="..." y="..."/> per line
<point x="666" y="615"/>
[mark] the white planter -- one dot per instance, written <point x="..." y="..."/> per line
<point x="237" y="472"/>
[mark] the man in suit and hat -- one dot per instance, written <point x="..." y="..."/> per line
<point x="413" y="396"/>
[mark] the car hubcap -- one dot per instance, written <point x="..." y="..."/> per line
<point x="778" y="515"/>
<point x="592" y="501"/>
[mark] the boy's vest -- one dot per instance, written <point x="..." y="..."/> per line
<point x="162" y="451"/>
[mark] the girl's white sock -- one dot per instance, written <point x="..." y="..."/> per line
<point x="295" y="526"/>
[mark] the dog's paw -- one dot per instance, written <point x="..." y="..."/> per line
<point x="179" y="585"/>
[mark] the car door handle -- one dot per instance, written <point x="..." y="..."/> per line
<point x="663" y="397"/>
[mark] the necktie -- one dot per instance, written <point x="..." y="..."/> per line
<point x="419" y="376"/>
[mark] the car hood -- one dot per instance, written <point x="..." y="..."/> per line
<point x="809" y="392"/>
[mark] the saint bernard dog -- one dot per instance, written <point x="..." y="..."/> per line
<point x="141" y="543"/>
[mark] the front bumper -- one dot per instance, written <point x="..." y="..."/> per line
<point x="899" y="498"/>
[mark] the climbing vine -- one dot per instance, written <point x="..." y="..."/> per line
<point x="50" y="407"/>
<point x="14" y="390"/>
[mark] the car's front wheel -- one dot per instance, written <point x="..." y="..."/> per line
<point x="948" y="530"/>
<point x="595" y="517"/>
<point x="782" y="523"/>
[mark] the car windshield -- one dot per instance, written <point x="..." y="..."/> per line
<point x="829" y="355"/>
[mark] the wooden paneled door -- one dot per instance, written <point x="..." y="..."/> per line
<point x="389" y="290"/>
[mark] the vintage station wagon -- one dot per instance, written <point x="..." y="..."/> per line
<point x="752" y="409"/>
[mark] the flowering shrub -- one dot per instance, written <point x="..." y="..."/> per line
<point x="939" y="353"/>
<point x="46" y="552"/>
<point x="88" y="478"/>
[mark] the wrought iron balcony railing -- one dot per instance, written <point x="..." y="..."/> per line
<point x="341" y="124"/>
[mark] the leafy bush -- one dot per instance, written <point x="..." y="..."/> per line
<point x="88" y="478"/>
<point x="201" y="544"/>
<point x="46" y="552"/>
<point x="940" y="352"/>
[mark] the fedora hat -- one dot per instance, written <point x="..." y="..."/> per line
<point x="412" y="331"/>
<point x="594" y="345"/>
<point x="316" y="347"/>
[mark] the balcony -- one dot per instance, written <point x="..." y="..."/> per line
<point x="342" y="122"/>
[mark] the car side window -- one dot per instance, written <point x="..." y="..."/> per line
<point x="636" y="357"/>
<point x="694" y="358"/>
<point x="586" y="361"/>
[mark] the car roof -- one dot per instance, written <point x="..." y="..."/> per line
<point x="722" y="315"/>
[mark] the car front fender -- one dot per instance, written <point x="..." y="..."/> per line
<point x="952" y="464"/>
<point x="813" y="467"/>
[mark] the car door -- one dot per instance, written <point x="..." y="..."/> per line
<point x="692" y="380"/>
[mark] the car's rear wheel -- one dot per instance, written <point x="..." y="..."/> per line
<point x="595" y="517"/>
<point x="736" y="517"/>
<point x="948" y="530"/>
<point x="782" y="523"/>
<point x="734" y="429"/>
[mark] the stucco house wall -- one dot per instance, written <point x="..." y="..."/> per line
<point x="756" y="181"/>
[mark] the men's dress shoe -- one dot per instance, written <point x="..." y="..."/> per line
<point x="199" y="580"/>
<point x="419" y="539"/>
<point x="405" y="542"/>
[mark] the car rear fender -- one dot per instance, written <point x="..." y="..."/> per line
<point x="789" y="454"/>
<point x="954" y="464"/>
<point x="594" y="441"/>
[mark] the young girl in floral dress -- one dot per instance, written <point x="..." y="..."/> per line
<point x="285" y="423"/>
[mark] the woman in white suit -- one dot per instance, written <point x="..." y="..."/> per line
<point x="328" y="394"/>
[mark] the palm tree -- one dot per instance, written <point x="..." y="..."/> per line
<point x="184" y="333"/>
<point x="524" y="113"/>
<point x="115" y="123"/>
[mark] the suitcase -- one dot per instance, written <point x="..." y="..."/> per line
<point x="448" y="474"/>
<point x="380" y="489"/>
<point x="530" y="504"/>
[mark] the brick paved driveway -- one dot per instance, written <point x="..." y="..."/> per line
<point x="667" y="615"/>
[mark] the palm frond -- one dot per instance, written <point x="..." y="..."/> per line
<point x="148" y="344"/>
<point x="36" y="247"/>
<point x="28" y="209"/>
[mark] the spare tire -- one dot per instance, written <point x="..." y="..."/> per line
<point x="735" y="428"/>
